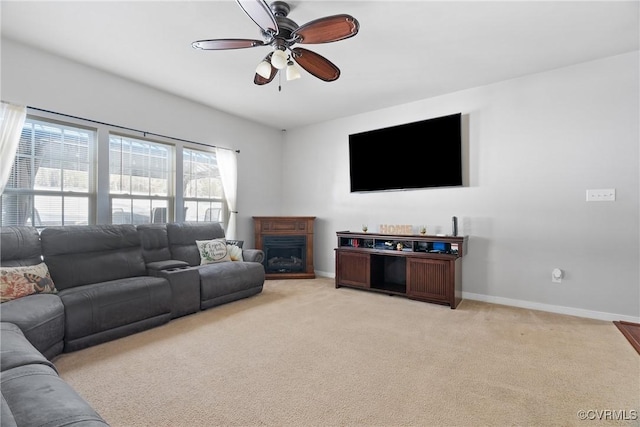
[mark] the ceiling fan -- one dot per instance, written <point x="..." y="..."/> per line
<point x="281" y="33"/>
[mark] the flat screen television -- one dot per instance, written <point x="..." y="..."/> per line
<point x="421" y="154"/>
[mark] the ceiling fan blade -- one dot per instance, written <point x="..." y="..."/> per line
<point x="260" y="12"/>
<point x="259" y="80"/>
<point x="222" y="44"/>
<point x="327" y="29"/>
<point x="316" y="64"/>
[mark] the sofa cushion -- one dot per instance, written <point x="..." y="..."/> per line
<point x="18" y="282"/>
<point x="34" y="395"/>
<point x="212" y="251"/>
<point x="155" y="248"/>
<point x="41" y="319"/>
<point x="20" y="246"/>
<point x="235" y="252"/>
<point x="183" y="235"/>
<point x="98" y="253"/>
<point x="154" y="241"/>
<point x="237" y="243"/>
<point x="114" y="306"/>
<point x="229" y="281"/>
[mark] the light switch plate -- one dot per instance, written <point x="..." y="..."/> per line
<point x="601" y="195"/>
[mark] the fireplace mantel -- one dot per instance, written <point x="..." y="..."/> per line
<point x="286" y="226"/>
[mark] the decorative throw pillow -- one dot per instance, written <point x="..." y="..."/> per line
<point x="212" y="251"/>
<point x="18" y="282"/>
<point x="234" y="252"/>
<point x="237" y="243"/>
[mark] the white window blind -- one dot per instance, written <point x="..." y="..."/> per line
<point x="140" y="184"/>
<point x="52" y="178"/>
<point x="203" y="193"/>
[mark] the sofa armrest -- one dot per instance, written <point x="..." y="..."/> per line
<point x="253" y="255"/>
<point x="185" y="288"/>
<point x="17" y="350"/>
<point x="164" y="265"/>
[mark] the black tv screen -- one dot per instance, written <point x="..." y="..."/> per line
<point x="415" y="155"/>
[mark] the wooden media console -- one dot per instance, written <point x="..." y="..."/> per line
<point x="425" y="268"/>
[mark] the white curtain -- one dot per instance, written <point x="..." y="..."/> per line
<point x="11" y="121"/>
<point x="228" y="165"/>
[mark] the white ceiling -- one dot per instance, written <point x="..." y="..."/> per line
<point x="405" y="50"/>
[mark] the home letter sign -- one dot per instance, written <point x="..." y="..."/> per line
<point x="396" y="229"/>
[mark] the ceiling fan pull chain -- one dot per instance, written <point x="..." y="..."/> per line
<point x="279" y="81"/>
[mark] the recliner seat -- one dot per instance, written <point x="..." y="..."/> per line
<point x="39" y="316"/>
<point x="106" y="293"/>
<point x="220" y="282"/>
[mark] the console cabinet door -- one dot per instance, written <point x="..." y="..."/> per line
<point x="429" y="279"/>
<point x="352" y="269"/>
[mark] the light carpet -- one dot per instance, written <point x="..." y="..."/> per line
<point x="303" y="353"/>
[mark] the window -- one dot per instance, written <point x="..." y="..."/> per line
<point x="52" y="178"/>
<point x="139" y="181"/>
<point x="59" y="178"/>
<point x="203" y="193"/>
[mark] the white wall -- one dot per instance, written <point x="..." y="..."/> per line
<point x="535" y="145"/>
<point x="34" y="78"/>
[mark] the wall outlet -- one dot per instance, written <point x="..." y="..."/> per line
<point x="601" y="195"/>
<point x="557" y="275"/>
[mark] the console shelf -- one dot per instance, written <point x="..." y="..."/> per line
<point x="425" y="268"/>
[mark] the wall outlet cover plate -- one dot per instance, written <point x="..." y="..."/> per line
<point x="601" y="195"/>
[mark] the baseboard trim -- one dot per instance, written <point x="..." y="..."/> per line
<point x="325" y="274"/>
<point x="571" y="311"/>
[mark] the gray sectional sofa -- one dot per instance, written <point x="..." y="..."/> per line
<point x="32" y="392"/>
<point x="111" y="281"/>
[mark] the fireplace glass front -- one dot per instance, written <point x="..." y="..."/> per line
<point x="284" y="254"/>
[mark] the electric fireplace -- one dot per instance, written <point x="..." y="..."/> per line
<point x="287" y="243"/>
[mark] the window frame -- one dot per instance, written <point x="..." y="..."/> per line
<point x="33" y="217"/>
<point x="214" y="203"/>
<point x="168" y="199"/>
<point x="100" y="200"/>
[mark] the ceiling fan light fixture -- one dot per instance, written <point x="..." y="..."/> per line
<point x="293" y="72"/>
<point x="279" y="59"/>
<point x="264" y="69"/>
